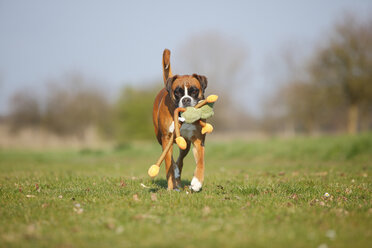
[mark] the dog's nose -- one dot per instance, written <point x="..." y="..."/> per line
<point x="186" y="101"/>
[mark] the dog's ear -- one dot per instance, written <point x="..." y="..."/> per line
<point x="168" y="85"/>
<point x="202" y="80"/>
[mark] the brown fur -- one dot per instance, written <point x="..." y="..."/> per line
<point x="163" y="110"/>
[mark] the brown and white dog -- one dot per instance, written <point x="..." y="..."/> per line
<point x="179" y="91"/>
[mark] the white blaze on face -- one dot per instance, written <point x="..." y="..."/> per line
<point x="186" y="91"/>
<point x="186" y="95"/>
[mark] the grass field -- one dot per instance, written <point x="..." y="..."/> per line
<point x="266" y="193"/>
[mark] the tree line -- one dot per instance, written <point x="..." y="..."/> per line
<point x="334" y="90"/>
<point x="330" y="91"/>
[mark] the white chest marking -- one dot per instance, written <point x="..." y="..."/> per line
<point x="187" y="130"/>
<point x="171" y="127"/>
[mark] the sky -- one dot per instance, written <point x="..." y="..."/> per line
<point x="119" y="42"/>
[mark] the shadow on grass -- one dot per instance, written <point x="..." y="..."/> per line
<point x="162" y="183"/>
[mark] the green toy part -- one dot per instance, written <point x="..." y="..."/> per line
<point x="192" y="114"/>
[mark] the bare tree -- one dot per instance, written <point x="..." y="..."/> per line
<point x="331" y="88"/>
<point x="73" y="104"/>
<point x="345" y="63"/>
<point x="224" y="62"/>
<point x="288" y="106"/>
<point x="24" y="110"/>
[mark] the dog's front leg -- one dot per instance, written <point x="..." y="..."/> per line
<point x="168" y="162"/>
<point x="198" y="150"/>
<point x="179" y="164"/>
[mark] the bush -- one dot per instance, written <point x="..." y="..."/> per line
<point x="133" y="114"/>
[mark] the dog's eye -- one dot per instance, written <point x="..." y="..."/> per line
<point x="178" y="92"/>
<point x="193" y="91"/>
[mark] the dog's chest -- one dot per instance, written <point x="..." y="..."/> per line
<point x="187" y="130"/>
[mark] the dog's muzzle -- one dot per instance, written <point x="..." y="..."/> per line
<point x="186" y="101"/>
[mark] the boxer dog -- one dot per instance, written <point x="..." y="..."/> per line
<point x="179" y="91"/>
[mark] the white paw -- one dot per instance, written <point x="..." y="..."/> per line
<point x="195" y="184"/>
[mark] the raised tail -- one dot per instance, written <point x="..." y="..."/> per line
<point x="167" y="72"/>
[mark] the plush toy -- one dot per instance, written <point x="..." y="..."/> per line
<point x="203" y="110"/>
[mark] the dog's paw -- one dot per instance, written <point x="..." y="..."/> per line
<point x="196" y="185"/>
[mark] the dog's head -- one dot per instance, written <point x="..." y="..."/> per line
<point x="186" y="90"/>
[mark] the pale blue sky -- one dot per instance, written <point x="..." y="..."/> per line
<point x="122" y="41"/>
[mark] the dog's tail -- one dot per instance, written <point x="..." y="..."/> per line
<point x="167" y="72"/>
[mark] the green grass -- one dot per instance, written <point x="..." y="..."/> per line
<point x="256" y="194"/>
